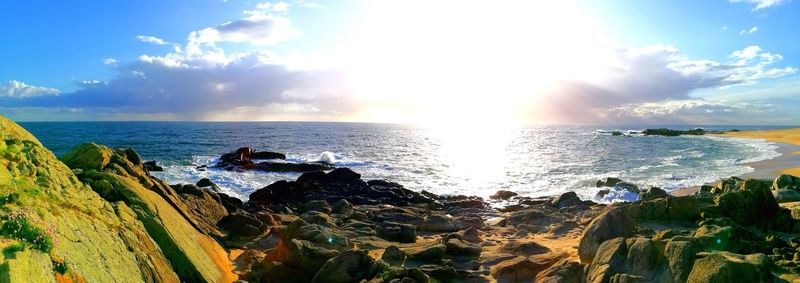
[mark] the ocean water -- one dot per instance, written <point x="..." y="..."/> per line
<point x="531" y="160"/>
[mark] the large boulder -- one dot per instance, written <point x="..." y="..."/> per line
<point x="615" y="222"/>
<point x="179" y="230"/>
<point x="438" y="223"/>
<point x="729" y="267"/>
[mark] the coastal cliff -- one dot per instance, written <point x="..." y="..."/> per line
<point x="97" y="215"/>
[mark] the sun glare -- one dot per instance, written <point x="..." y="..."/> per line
<point x="451" y="61"/>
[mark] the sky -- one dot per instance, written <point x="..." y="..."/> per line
<point x="716" y="62"/>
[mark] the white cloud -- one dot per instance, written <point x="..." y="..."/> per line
<point x="110" y="61"/>
<point x="762" y="4"/>
<point x="749" y="31"/>
<point x="310" y="4"/>
<point x="267" y="7"/>
<point x="17" y="89"/>
<point x="660" y="75"/>
<point x="152" y="39"/>
<point x="256" y="29"/>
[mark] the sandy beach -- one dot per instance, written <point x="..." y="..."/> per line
<point x="789" y="141"/>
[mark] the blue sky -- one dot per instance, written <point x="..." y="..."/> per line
<point x="571" y="62"/>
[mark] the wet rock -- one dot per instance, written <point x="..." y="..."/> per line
<point x="398" y="232"/>
<point x="274" y="166"/>
<point x="503" y="195"/>
<point x="652" y="193"/>
<point x="152" y="166"/>
<point x="468" y="221"/>
<point x="729" y="267"/>
<point x="566" y="200"/>
<point x="616" y="222"/>
<point x="607" y="182"/>
<point x="267" y="155"/>
<point x="343" y="175"/>
<point x="438" y="223"/>
<point x="564" y="271"/>
<point x="349" y="266"/>
<point x="205" y="182"/>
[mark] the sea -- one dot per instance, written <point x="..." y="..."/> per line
<point x="533" y="161"/>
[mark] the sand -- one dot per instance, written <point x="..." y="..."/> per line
<point x="790" y="140"/>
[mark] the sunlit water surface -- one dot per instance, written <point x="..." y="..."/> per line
<point x="530" y="160"/>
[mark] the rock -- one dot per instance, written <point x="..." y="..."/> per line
<point x="729" y="267"/>
<point x="468" y="220"/>
<point x="471" y="235"/>
<point x="152" y="166"/>
<point x="430" y="254"/>
<point x="627" y="187"/>
<point x="349" y="266"/>
<point x="525" y="248"/>
<point x="267" y="155"/>
<point x="275" y="166"/>
<point x="672" y="133"/>
<point x="519" y="269"/>
<point x="680" y="257"/>
<point x="437" y="223"/>
<point x="404" y="275"/>
<point x="629" y="260"/>
<point x="503" y="195"/>
<point x="602" y="193"/>
<point x="231" y="204"/>
<point x="535" y="216"/>
<point x="786" y="195"/>
<point x="205" y="182"/>
<point x="616" y="133"/>
<point x="398" y="232"/>
<point x="564" y="271"/>
<point x="170" y="222"/>
<point x="607" y="182"/>
<point x="785" y="181"/>
<point x="242" y="225"/>
<point x="343" y="175"/>
<point x="457" y="247"/>
<point x="393" y="255"/>
<point x="566" y="200"/>
<point x="616" y="222"/>
<point x="342" y="207"/>
<point x="319" y="218"/>
<point x="316" y="205"/>
<point x="206" y="205"/>
<point x="652" y="193"/>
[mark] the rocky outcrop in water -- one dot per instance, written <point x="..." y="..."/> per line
<point x="245" y="158"/>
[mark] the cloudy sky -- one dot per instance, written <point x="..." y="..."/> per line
<point x="565" y="62"/>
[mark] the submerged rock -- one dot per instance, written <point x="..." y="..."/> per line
<point x="503" y="195"/>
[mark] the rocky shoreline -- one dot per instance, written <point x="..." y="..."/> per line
<point x="97" y="215"/>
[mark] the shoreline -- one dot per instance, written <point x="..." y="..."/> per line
<point x="786" y="163"/>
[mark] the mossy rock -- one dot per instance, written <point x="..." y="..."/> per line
<point x="178" y="230"/>
<point x="84" y="228"/>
